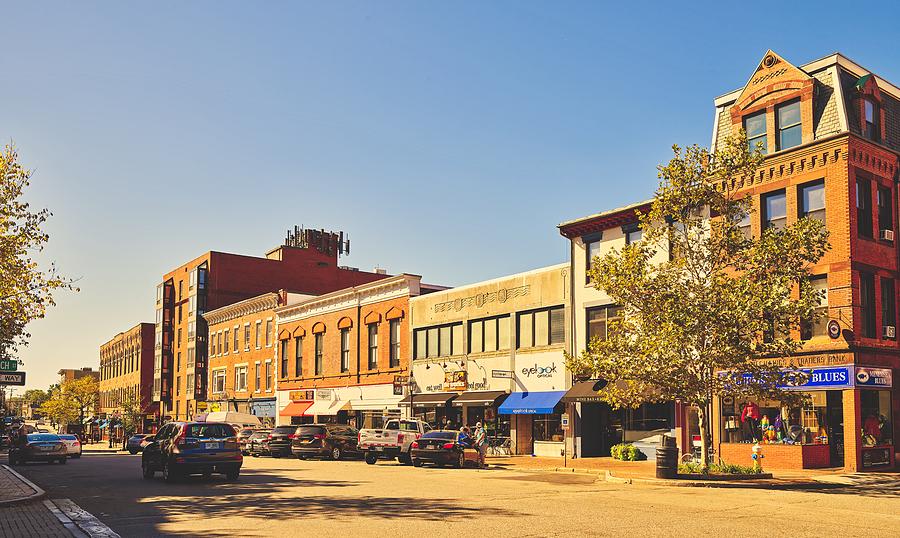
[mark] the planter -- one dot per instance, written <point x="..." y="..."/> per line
<point x="723" y="477"/>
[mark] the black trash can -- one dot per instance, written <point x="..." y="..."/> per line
<point x="667" y="458"/>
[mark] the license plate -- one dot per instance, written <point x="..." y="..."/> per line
<point x="431" y="447"/>
<point x="211" y="446"/>
<point x="379" y="449"/>
<point x="46" y="448"/>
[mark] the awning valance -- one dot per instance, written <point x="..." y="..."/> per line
<point x="431" y="399"/>
<point x="479" y="397"/>
<point x="530" y="403"/>
<point x="582" y="391"/>
<point x="374" y="404"/>
<point x="295" y="409"/>
<point x="327" y="407"/>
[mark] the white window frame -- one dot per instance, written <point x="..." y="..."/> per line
<point x="237" y="367"/>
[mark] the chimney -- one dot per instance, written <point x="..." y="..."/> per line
<point x="380" y="271"/>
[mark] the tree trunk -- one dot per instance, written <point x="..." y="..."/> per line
<point x="704" y="436"/>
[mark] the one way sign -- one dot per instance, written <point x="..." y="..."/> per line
<point x="12" y="378"/>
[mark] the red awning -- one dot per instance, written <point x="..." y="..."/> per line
<point x="295" y="409"/>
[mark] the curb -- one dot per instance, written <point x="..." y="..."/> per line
<point x="38" y="492"/>
<point x="748" y="484"/>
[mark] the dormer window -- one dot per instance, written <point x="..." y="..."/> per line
<point x="789" y="131"/>
<point x="873" y="128"/>
<point x="755" y="126"/>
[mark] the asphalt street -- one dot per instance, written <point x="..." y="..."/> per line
<point x="285" y="497"/>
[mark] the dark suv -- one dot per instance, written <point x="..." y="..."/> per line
<point x="183" y="448"/>
<point x="325" y="440"/>
<point x="280" y="440"/>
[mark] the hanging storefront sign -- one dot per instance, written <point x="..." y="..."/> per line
<point x="873" y="377"/>
<point x="324" y="394"/>
<point x="838" y="377"/>
<point x="454" y="381"/>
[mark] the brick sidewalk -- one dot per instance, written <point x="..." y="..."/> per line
<point x="30" y="519"/>
<point x="13" y="488"/>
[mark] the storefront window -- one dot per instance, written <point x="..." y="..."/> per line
<point x="875" y="406"/>
<point x="769" y="422"/>
<point x="547" y="428"/>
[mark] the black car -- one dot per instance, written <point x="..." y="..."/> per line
<point x="325" y="440"/>
<point x="38" y="447"/>
<point x="280" y="440"/>
<point x="184" y="448"/>
<point x="441" y="447"/>
<point x="258" y="443"/>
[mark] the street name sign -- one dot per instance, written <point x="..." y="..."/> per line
<point x="9" y="365"/>
<point x="12" y="378"/>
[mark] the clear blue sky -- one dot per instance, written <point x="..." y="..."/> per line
<point x="447" y="138"/>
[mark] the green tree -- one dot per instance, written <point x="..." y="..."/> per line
<point x="130" y="415"/>
<point x="26" y="290"/>
<point x="84" y="393"/>
<point x="36" y="397"/>
<point x="59" y="409"/>
<point x="703" y="302"/>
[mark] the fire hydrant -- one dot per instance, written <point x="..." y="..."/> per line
<point x="757" y="458"/>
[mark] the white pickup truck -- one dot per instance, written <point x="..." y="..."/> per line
<point x="392" y="441"/>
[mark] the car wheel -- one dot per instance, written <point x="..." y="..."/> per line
<point x="371" y="458"/>
<point x="76" y="456"/>
<point x="63" y="460"/>
<point x="336" y="453"/>
<point x="405" y="459"/>
<point x="416" y="462"/>
<point x="169" y="474"/>
<point x="147" y="471"/>
<point x="460" y="461"/>
<point x="232" y="475"/>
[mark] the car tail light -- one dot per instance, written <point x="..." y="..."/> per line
<point x="292" y="436"/>
<point x="399" y="438"/>
<point x="319" y="436"/>
<point x="448" y="445"/>
<point x="75" y="443"/>
<point x="180" y="440"/>
<point x="269" y="437"/>
<point x="415" y="444"/>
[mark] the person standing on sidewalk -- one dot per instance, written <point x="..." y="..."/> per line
<point x="481" y="444"/>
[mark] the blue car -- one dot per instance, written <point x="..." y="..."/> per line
<point x="180" y="449"/>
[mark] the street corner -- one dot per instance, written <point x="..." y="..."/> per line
<point x="15" y="488"/>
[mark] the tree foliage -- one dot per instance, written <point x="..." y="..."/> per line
<point x="703" y="302"/>
<point x="59" y="409"/>
<point x="84" y="392"/>
<point x="26" y="290"/>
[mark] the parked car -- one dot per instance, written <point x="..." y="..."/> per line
<point x="243" y="438"/>
<point x="325" y="440"/>
<point x="441" y="448"/>
<point x="73" y="444"/>
<point x="258" y="443"/>
<point x="184" y="448"/>
<point x="39" y="447"/>
<point x="280" y="440"/>
<point x="137" y="442"/>
<point x="392" y="441"/>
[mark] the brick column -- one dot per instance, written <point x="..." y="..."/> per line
<point x="852" y="435"/>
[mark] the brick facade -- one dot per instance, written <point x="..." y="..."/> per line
<point x="218" y="279"/>
<point x="126" y="370"/>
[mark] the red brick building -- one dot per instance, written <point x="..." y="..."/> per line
<point x="307" y="263"/>
<point x="831" y="133"/>
<point x="339" y="353"/>
<point x="126" y="373"/>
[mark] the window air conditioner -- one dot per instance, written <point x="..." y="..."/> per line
<point x="889" y="331"/>
<point x="887" y="235"/>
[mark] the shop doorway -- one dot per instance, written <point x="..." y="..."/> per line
<point x="601" y="428"/>
<point x="834" y="419"/>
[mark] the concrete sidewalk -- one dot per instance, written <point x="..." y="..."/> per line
<point x="21" y="511"/>
<point x="15" y="488"/>
<point x="645" y="472"/>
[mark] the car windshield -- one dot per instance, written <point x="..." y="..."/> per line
<point x="246" y="432"/>
<point x="206" y="431"/>
<point x="310" y="430"/>
<point x="32" y="437"/>
<point x="440" y="435"/>
<point x="259" y="435"/>
<point x="68" y="437"/>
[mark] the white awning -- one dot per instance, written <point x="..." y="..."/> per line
<point x="327" y="407"/>
<point x="375" y="404"/>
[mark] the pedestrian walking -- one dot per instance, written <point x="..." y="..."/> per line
<point x="481" y="444"/>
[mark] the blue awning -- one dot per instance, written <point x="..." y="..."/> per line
<point x="531" y="403"/>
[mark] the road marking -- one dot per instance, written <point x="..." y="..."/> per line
<point x="85" y="524"/>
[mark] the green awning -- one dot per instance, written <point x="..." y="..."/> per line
<point x="861" y="83"/>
